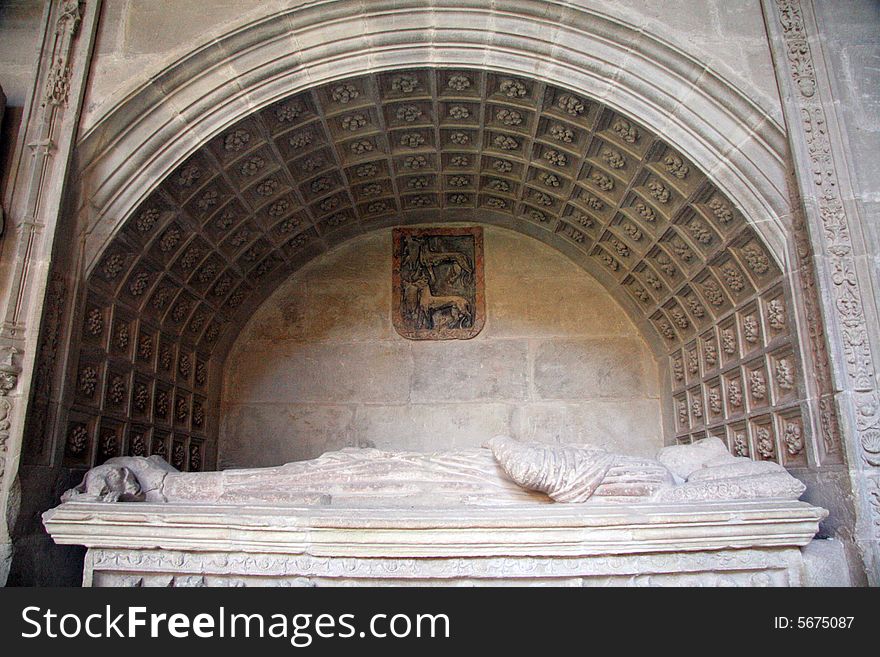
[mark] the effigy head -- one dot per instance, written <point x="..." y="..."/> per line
<point x="683" y="460"/>
<point x="106" y="483"/>
<point x="706" y="471"/>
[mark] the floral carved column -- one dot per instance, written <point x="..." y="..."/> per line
<point x="832" y="221"/>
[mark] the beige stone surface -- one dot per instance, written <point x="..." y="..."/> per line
<point x="481" y="369"/>
<point x="535" y="314"/>
<point x="525" y="294"/>
<point x="429" y="427"/>
<point x="324" y="372"/>
<point x="578" y="369"/>
<point x="327" y="427"/>
<point x="598" y="422"/>
<point x="136" y="38"/>
<point x="350" y="310"/>
<point x="19" y="48"/>
<point x="320" y="367"/>
<point x="825" y="563"/>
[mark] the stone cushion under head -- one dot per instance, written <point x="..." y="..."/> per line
<point x="738" y="467"/>
<point x="778" y="485"/>
<point x="683" y="460"/>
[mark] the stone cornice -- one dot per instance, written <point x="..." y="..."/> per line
<point x="515" y="530"/>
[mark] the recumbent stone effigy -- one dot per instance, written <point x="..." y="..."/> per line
<point x="512" y="512"/>
<point x="507" y="471"/>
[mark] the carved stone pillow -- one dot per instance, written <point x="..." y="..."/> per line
<point x="682" y="460"/>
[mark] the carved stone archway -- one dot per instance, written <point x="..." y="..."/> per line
<point x="417" y="145"/>
<point x="625" y="83"/>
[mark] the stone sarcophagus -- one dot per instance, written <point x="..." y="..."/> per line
<point x="709" y="544"/>
<point x="514" y="513"/>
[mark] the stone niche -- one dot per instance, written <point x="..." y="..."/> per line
<point x="320" y="367"/>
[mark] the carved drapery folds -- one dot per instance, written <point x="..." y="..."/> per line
<point x="295" y="178"/>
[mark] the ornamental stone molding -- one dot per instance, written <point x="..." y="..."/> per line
<point x="832" y="220"/>
<point x="35" y="193"/>
<point x="584" y="50"/>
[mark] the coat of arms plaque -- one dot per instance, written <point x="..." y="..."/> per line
<point x="438" y="283"/>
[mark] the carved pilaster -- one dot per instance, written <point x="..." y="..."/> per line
<point x="35" y="197"/>
<point x="9" y="371"/>
<point x="831" y="223"/>
<point x="830" y="450"/>
<point x="40" y="427"/>
<point x="66" y="28"/>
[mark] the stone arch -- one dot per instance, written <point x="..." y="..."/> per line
<point x="166" y="296"/>
<point x="736" y="143"/>
<point x="618" y="71"/>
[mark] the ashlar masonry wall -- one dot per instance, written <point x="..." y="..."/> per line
<point x="320" y="367"/>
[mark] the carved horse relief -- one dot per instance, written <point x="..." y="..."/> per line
<point x="438" y="283"/>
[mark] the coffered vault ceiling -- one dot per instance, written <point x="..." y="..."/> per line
<point x="316" y="168"/>
<point x="290" y="181"/>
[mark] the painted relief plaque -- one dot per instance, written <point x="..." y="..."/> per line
<point x="438" y="283"/>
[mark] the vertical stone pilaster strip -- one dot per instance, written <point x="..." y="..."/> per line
<point x="832" y="223"/>
<point x="37" y="186"/>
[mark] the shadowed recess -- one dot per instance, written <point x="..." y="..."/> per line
<point x="255" y="203"/>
